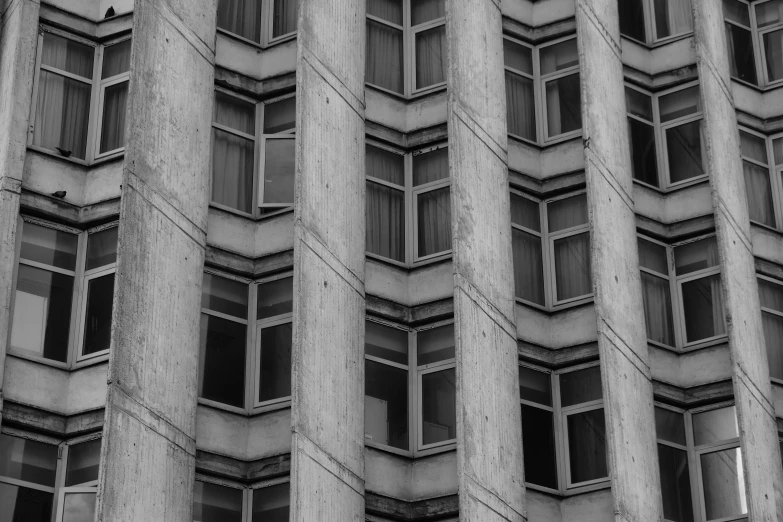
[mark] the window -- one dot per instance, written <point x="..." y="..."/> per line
<point x="762" y="159"/>
<point x="262" y="22"/>
<point x="80" y="95"/>
<point x="771" y="297"/>
<point x="651" y="21"/>
<point x="408" y="196"/>
<point x="695" y="314"/>
<point x="225" y="501"/>
<point x="665" y="135"/>
<point x="64" y="292"/>
<point x="563" y="428"/>
<point x="391" y="413"/>
<point x="253" y="154"/>
<point x="755" y="31"/>
<point x="248" y="369"/>
<point x="542" y="90"/>
<point x="551" y="247"/>
<point x="406" y="45"/>
<point x="673" y="465"/>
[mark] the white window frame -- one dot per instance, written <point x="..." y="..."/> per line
<point x="674" y="301"/>
<point x="651" y="31"/>
<point x="413" y="202"/>
<point x="758" y="44"/>
<point x="757" y="61"/>
<point x="33" y="485"/>
<point x="62" y="489"/>
<point x="688" y="449"/>
<point x="97" y="89"/>
<point x="247" y="490"/>
<point x="265" y="27"/>
<point x="771" y="311"/>
<point x="775" y="172"/>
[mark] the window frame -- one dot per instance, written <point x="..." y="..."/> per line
<point x="693" y="477"/>
<point x="651" y="30"/>
<point x="774" y="172"/>
<point x="266" y="28"/>
<point x="97" y="89"/>
<point x="771" y="311"/>
<point x="247" y="489"/>
<point x="759" y="49"/>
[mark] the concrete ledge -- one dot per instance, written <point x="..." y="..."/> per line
<point x="246" y="470"/>
<point x="429" y="509"/>
<point x="19" y="415"/>
<point x="52" y="208"/>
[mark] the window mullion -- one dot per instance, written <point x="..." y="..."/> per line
<point x="251" y="347"/>
<point x="95" y="99"/>
<point x="77" y="317"/>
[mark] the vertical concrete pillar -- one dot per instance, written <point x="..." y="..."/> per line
<point x="327" y="461"/>
<point x="752" y="388"/>
<point x="148" y="451"/>
<point x="489" y="431"/>
<point x="622" y="338"/>
<point x="18" y="43"/>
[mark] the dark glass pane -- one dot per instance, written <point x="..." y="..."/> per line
<point x="430" y="57"/>
<point x="279" y="172"/>
<point x="563" y="105"/>
<point x="759" y="193"/>
<point x="736" y="12"/>
<point x="771" y="295"/>
<point x="520" y="106"/>
<point x="769" y="13"/>
<point x="116" y="59"/>
<point x="386" y="342"/>
<point x="632" y="19"/>
<point x="656" y="295"/>
<point x="683" y="144"/>
<point x="24" y="504"/>
<point x="389" y="10"/>
<point x="79" y="507"/>
<point x="83" y="462"/>
<point x="567" y="213"/>
<point x="538" y="445"/>
<point x="724" y="484"/>
<point x="280" y="116"/>
<point x="773" y="337"/>
<point x="587" y="446"/>
<point x="435" y="344"/>
<point x="715" y="426"/>
<point x="580" y="386"/>
<point x="113" y="120"/>
<point x="773" y="54"/>
<point x="275" y="298"/>
<point x="102" y="248"/>
<point x="517" y="56"/>
<point x="222" y="361"/>
<point x="385" y="234"/>
<point x="271" y="504"/>
<point x="742" y="61"/>
<point x="535" y="386"/>
<point x="284" y="17"/>
<point x="434" y="221"/>
<point x="233" y="159"/>
<point x="42" y="313"/>
<point x="275" y="362"/>
<point x="528" y="266"/>
<point x="439" y="406"/>
<point x="753" y="147"/>
<point x="559" y="56"/>
<point x="675" y="484"/>
<point x="241" y="17"/>
<point x="386" y="405"/>
<point x="224" y="295"/>
<point x="213" y="503"/>
<point x="670" y="426"/>
<point x="427" y="10"/>
<point x="653" y="256"/>
<point x="644" y="162"/>
<point x="385" y="165"/>
<point x="525" y="212"/>
<point x="430" y="166"/>
<point x="48" y="246"/>
<point x="572" y="266"/>
<point x="680" y="103"/>
<point x="383" y="65"/>
<point x="27" y="460"/>
<point x="702" y="302"/>
<point x="638" y="104"/>
<point x="97" y="321"/>
<point x="235" y="113"/>
<point x="67" y="55"/>
<point x="695" y="256"/>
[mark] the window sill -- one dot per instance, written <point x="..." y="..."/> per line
<point x="763" y="89"/>
<point x="244" y="412"/>
<point x="256" y="45"/>
<point x="553" y="142"/>
<point x="572" y="492"/>
<point x="423" y="93"/>
<point x="690" y="349"/>
<point x="57" y="364"/>
<point x="659" y="43"/>
<point x="552" y="310"/>
<point x="248" y="217"/>
<point x="73" y="161"/>
<point x="699" y="180"/>
<point x="409" y="266"/>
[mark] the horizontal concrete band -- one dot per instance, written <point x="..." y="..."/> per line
<point x="489" y="499"/>
<point x="308" y="448"/>
<point x="471" y="292"/>
<point x="310" y="241"/>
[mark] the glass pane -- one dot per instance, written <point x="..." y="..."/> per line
<point x="670" y="426"/>
<point x="223" y="295"/>
<point x="657" y="299"/>
<point x="517" y="56"/>
<point x="675" y="484"/>
<point x="769" y="13"/>
<point x="280" y="116"/>
<point x="580" y="386"/>
<point x="232" y="170"/>
<point x="653" y="256"/>
<point x="563" y="106"/>
<point x="431" y="57"/>
<point x="525" y="212"/>
<point x="715" y="426"/>
<point x="435" y="344"/>
<point x="572" y="266"/>
<point x="383" y="65"/>
<point x="434" y="221"/>
<point x="736" y="12"/>
<point x="388" y="166"/>
<point x="696" y="256"/>
<point x="773" y="54"/>
<point x="270" y="504"/>
<point x="386" y="405"/>
<point x="27" y="460"/>
<point x="385" y="234"/>
<point x="538" y="446"/>
<point x="241" y="17"/>
<point x="222" y="361"/>
<point x="427" y="10"/>
<point x="116" y="59"/>
<point x="559" y="56"/>
<point x="42" y="313"/>
<point x="528" y="266"/>
<point x="672" y="17"/>
<point x="439" y="406"/>
<point x="24" y="504"/>
<point x="777" y="149"/>
<point x="389" y="10"/>
<point x="62" y="115"/>
<point x="102" y="248"/>
<point x="770" y="295"/>
<point x="235" y="113"/>
<point x="759" y="194"/>
<point x="275" y="362"/>
<point x="279" y="171"/>
<point x="567" y="213"/>
<point x="535" y="386"/>
<point x="632" y="19"/>
<point x="213" y="503"/>
<point x="773" y="337"/>
<point x="115" y="98"/>
<point x="684" y="150"/>
<point x="48" y="246"/>
<point x="724" y="484"/>
<point x="67" y="55"/>
<point x="742" y="60"/>
<point x="644" y="162"/>
<point x="386" y="342"/>
<point x="753" y="147"/>
<point x="680" y="103"/>
<point x="430" y="166"/>
<point x="284" y="17"/>
<point x="83" y="462"/>
<point x="275" y="298"/>
<point x="702" y="303"/>
<point x="638" y="104"/>
<point x="587" y="446"/>
<point x="520" y="106"/>
<point x="79" y="507"/>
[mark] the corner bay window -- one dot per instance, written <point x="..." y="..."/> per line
<point x="408" y="196"/>
<point x="80" y="96"/>
<point x="754" y="37"/>
<point x="427" y="369"/>
<point x="64" y="292"/>
<point x="406" y="45"/>
<point x="259" y="21"/>
<point x="542" y="90"/>
<point x="650" y="21"/>
<point x="762" y="164"/>
<point x="219" y="502"/>
<point x="771" y="297"/>
<point x="551" y="247"/>
<point x="253" y="153"/>
<point x="247" y="368"/>
<point x="563" y="427"/>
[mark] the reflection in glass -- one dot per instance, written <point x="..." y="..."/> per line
<point x="275" y="362"/>
<point x="435" y="344"/>
<point x="271" y="504"/>
<point x="386" y="405"/>
<point x="587" y="446"/>
<point x="97" y="320"/>
<point x="439" y="406"/>
<point x="213" y="503"/>
<point x="83" y="462"/>
<point x="222" y="361"/>
<point x="27" y="460"/>
<point x="580" y="386"/>
<point x="79" y="507"/>
<point x="724" y="484"/>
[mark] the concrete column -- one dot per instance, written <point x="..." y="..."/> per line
<point x="148" y="451"/>
<point x="622" y="338"/>
<point x="18" y="43"/>
<point x="327" y="461"/>
<point x="752" y="388"/>
<point x="489" y="432"/>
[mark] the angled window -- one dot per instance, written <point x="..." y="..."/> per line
<point x="762" y="165"/>
<point x="656" y="291"/>
<point x="673" y="465"/>
<point x="754" y="36"/>
<point x="653" y="21"/>
<point x="27" y="478"/>
<point x="221" y="500"/>
<point x="740" y="40"/>
<point x="771" y="297"/>
<point x="262" y="22"/>
<point x="77" y="495"/>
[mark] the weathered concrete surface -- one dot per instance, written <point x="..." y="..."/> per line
<point x="148" y="452"/>
<point x="622" y="339"/>
<point x="327" y="463"/>
<point x="18" y="43"/>
<point x="752" y="389"/>
<point x="489" y="451"/>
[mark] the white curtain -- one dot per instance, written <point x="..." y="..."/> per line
<point x="284" y="17"/>
<point x="383" y="66"/>
<point x="116" y="59"/>
<point x="759" y="193"/>
<point x="563" y="106"/>
<point x="520" y="106"/>
<point x="385" y="221"/>
<point x="657" y="309"/>
<point x="431" y="57"/>
<point x="434" y="226"/>
<point x="232" y="155"/>
<point x="572" y="266"/>
<point x="426" y="10"/>
<point x="673" y="17"/>
<point x="528" y="266"/>
<point x="241" y="17"/>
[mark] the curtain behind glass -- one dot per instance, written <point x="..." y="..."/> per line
<point x="389" y="10"/>
<point x="116" y="59"/>
<point x="385" y="221"/>
<point x="434" y="221"/>
<point x="742" y="62"/>
<point x="673" y="17"/>
<point x="773" y="54"/>
<point x="657" y="309"/>
<point x="427" y="10"/>
<point x="632" y="19"/>
<point x="563" y="106"/>
<point x="383" y="66"/>
<point x="528" y="266"/>
<point x="572" y="266"/>
<point x="430" y="57"/>
<point x="115" y="99"/>
<point x="241" y="17"/>
<point x="759" y="193"/>
<point x="430" y="166"/>
<point x="773" y="337"/>
<point x="520" y="106"/>
<point x="232" y="170"/>
<point x="285" y="14"/>
<point x="62" y="113"/>
<point x="587" y="446"/>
